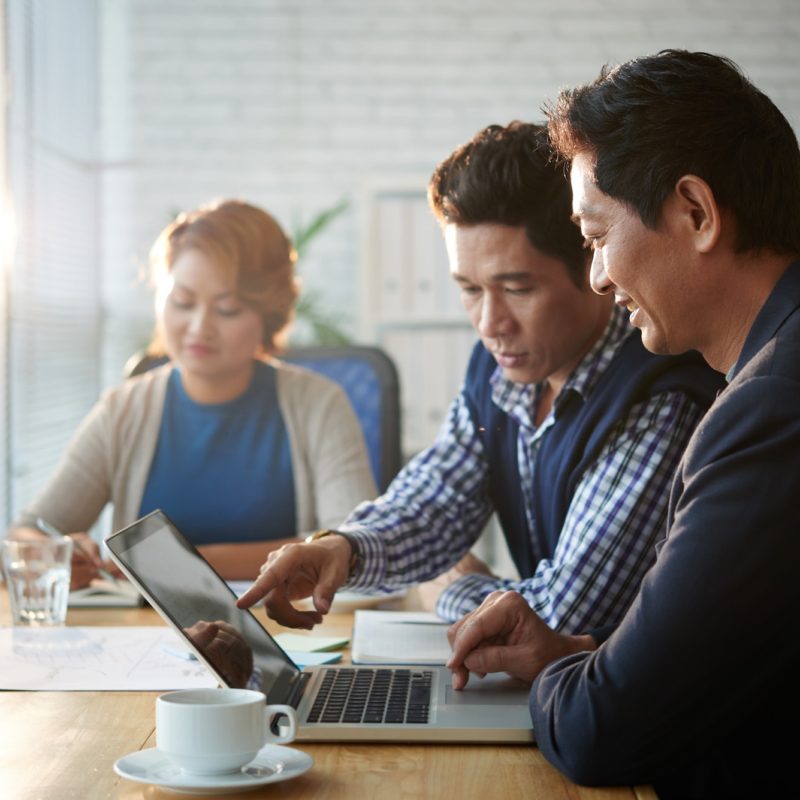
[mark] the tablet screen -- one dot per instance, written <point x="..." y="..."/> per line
<point x="187" y="592"/>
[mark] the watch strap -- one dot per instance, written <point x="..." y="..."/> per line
<point x="355" y="550"/>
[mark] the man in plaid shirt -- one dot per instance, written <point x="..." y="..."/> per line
<point x="565" y="426"/>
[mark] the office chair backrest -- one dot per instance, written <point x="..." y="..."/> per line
<point x="368" y="376"/>
<point x="370" y="379"/>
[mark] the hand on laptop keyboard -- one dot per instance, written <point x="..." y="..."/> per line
<point x="505" y="635"/>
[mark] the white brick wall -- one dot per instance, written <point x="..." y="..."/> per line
<point x="294" y="104"/>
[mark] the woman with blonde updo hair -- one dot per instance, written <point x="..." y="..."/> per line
<point x="242" y="451"/>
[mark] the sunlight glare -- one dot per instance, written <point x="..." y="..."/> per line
<point x="8" y="231"/>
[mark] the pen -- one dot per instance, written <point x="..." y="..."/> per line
<point x="45" y="527"/>
<point x="184" y="655"/>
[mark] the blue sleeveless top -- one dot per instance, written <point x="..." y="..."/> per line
<point x="222" y="472"/>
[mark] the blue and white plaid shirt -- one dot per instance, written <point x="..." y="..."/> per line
<point x="438" y="505"/>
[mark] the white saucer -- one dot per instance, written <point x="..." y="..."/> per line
<point x="272" y="764"/>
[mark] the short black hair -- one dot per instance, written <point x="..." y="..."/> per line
<point x="507" y="175"/>
<point x="652" y="120"/>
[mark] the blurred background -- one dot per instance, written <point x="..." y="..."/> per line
<point x="331" y="114"/>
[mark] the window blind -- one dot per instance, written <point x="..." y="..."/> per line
<point x="6" y="248"/>
<point x="53" y="313"/>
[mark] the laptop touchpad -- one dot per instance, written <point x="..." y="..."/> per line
<point x="496" y="689"/>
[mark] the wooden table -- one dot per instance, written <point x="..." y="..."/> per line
<point x="63" y="745"/>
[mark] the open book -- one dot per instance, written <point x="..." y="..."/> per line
<point x="118" y="594"/>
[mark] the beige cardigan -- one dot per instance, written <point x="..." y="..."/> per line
<point x="109" y="457"/>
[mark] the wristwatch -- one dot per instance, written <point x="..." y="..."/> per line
<point x="355" y="557"/>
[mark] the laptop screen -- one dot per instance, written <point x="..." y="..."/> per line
<point x="202" y="608"/>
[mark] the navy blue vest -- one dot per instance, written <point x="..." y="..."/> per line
<point x="574" y="440"/>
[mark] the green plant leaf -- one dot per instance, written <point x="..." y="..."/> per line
<point x="304" y="234"/>
<point x="325" y="327"/>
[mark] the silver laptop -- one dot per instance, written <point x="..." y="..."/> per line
<point x="334" y="703"/>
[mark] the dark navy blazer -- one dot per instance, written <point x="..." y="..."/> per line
<point x="698" y="690"/>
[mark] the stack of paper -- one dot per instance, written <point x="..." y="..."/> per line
<point x="399" y="637"/>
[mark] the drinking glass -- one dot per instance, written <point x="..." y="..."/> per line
<point x="37" y="574"/>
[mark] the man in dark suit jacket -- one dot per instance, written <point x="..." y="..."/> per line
<point x="686" y="185"/>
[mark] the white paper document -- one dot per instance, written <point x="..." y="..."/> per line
<point x="399" y="637"/>
<point x="97" y="659"/>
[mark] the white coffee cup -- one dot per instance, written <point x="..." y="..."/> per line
<point x="217" y="731"/>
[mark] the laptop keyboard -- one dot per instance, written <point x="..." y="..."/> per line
<point x="373" y="695"/>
